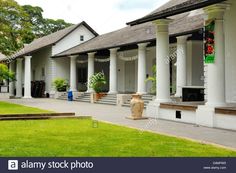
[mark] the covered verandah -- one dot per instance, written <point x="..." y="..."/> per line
<point x="218" y="109"/>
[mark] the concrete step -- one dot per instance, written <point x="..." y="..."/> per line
<point x="109" y="99"/>
<point x="82" y="100"/>
<point x="106" y="102"/>
<point x="36" y="117"/>
<point x="37" y="114"/>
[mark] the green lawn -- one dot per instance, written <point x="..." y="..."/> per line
<point x="72" y="137"/>
<point x="9" y="108"/>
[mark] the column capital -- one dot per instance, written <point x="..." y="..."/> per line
<point x="162" y="25"/>
<point x="183" y="38"/>
<point x="91" y="53"/>
<point x="114" y="50"/>
<point x="216" y="11"/>
<point x="19" y="59"/>
<point x="143" y="45"/>
<point x="28" y="57"/>
<point x="160" y="22"/>
<point x="73" y="57"/>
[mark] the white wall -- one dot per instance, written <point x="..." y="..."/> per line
<point x="189" y="63"/>
<point x="62" y="68"/>
<point x="170" y="114"/>
<point x="40" y="60"/>
<point x="103" y="67"/>
<point x="197" y="63"/>
<point x="72" y="40"/>
<point x="121" y="75"/>
<point x="151" y="60"/>
<point x="230" y="52"/>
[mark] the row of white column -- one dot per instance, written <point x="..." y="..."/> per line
<point x="113" y="70"/>
<point x="27" y="78"/>
<point x="162" y="66"/>
<point x="216" y="71"/>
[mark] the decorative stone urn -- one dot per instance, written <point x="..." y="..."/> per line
<point x="137" y="106"/>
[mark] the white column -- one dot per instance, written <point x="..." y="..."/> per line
<point x="142" y="71"/>
<point x="90" y="68"/>
<point x="19" y="77"/>
<point x="216" y="71"/>
<point x="162" y="60"/>
<point x="181" y="78"/>
<point x="12" y="84"/>
<point x="53" y="76"/>
<point x="113" y="71"/>
<point x="73" y="73"/>
<point x="27" y="81"/>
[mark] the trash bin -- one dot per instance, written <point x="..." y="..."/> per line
<point x="70" y="96"/>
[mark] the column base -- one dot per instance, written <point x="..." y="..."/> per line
<point x="112" y="92"/>
<point x="153" y="109"/>
<point x="27" y="97"/>
<point x="178" y="95"/>
<point x="141" y="93"/>
<point x="163" y="100"/>
<point x="215" y="104"/>
<point x="89" y="91"/>
<point x="74" y="90"/>
<point x="205" y="116"/>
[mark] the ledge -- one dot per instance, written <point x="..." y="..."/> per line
<point x="226" y="111"/>
<point x="179" y="106"/>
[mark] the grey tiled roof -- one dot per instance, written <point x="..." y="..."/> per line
<point x="50" y="39"/>
<point x="174" y="7"/>
<point x="135" y="34"/>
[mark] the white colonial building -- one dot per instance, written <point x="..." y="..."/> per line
<point x="172" y="38"/>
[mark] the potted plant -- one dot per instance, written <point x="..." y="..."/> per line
<point x="61" y="85"/>
<point x="97" y="81"/>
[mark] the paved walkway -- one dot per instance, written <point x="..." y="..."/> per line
<point x="116" y="115"/>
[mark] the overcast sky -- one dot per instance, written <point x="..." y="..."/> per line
<point x="102" y="15"/>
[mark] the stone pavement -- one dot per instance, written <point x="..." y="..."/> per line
<point x="116" y="115"/>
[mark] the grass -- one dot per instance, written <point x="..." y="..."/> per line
<point x="80" y="138"/>
<point x="9" y="108"/>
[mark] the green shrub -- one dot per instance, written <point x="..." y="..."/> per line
<point x="6" y="74"/>
<point x="60" y="84"/>
<point x="153" y="79"/>
<point x="97" y="81"/>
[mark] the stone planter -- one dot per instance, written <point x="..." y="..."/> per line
<point x="137" y="106"/>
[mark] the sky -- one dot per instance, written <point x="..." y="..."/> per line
<point x="102" y="15"/>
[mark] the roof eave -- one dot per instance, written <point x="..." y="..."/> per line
<point x="174" y="11"/>
<point x="122" y="45"/>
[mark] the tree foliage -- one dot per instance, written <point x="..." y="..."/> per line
<point x="6" y="74"/>
<point x="20" y="25"/>
<point x="13" y="26"/>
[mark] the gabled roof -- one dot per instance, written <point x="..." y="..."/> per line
<point x="174" y="7"/>
<point x="50" y="39"/>
<point x="136" y="34"/>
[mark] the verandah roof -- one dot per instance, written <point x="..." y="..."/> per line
<point x="136" y="34"/>
<point x="174" y="7"/>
